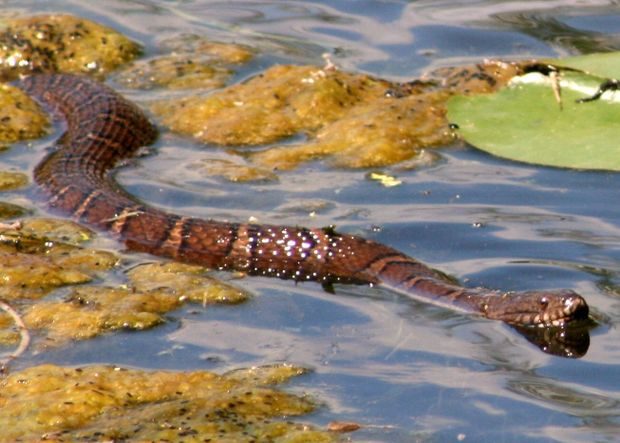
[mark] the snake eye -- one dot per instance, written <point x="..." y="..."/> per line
<point x="544" y="302"/>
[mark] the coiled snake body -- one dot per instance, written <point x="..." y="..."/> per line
<point x="103" y="129"/>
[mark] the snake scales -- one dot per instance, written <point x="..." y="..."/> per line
<point x="103" y="129"/>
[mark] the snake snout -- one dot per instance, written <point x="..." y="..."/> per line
<point x="575" y="306"/>
<point x="538" y="308"/>
<point x="557" y="308"/>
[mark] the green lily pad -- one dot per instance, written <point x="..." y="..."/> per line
<point x="524" y="122"/>
<point x="605" y="65"/>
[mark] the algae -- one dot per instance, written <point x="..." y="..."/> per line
<point x="153" y="290"/>
<point x="185" y="281"/>
<point x="352" y="120"/>
<point x="53" y="229"/>
<point x="223" y="52"/>
<point x="10" y="180"/>
<point x="191" y="63"/>
<point x="91" y="310"/>
<point x="99" y="403"/>
<point x="20" y="117"/>
<point x="51" y="43"/>
<point x="384" y="132"/>
<point x="34" y="261"/>
<point x="174" y="72"/>
<point x="234" y="170"/>
<point x="61" y="43"/>
<point x="31" y="266"/>
<point x="277" y="103"/>
<point x="9" y="211"/>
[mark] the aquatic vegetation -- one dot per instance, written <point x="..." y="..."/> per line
<point x="10" y="180"/>
<point x="98" y="403"/>
<point x="20" y="117"/>
<point x="187" y="282"/>
<point x="61" y="43"/>
<point x="277" y="103"/>
<point x="192" y="62"/>
<point x="33" y="263"/>
<point x="543" y="108"/>
<point x="351" y="120"/>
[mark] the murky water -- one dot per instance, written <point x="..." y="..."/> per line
<point x="407" y="370"/>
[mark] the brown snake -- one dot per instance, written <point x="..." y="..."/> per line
<point x="104" y="129"/>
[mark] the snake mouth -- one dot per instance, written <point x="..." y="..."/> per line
<point x="539" y="308"/>
<point x="574" y="308"/>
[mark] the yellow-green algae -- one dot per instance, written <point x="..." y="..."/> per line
<point x="9" y="335"/>
<point x="51" y="43"/>
<point x="174" y="72"/>
<point x="380" y="133"/>
<point x="91" y="310"/>
<point x="53" y="229"/>
<point x="234" y="170"/>
<point x="61" y="43"/>
<point x="197" y="64"/>
<point x="103" y="403"/>
<point x="354" y="120"/>
<point x="31" y="266"/>
<point x="153" y="290"/>
<point x="231" y="53"/>
<point x="40" y="255"/>
<point x="20" y="117"/>
<point x="186" y="282"/>
<point x="10" y="180"/>
<point x="277" y="103"/>
<point x="34" y="260"/>
<point x="9" y="211"/>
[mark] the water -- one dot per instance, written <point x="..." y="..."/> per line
<point x="406" y="370"/>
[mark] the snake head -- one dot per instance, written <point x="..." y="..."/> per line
<point x="537" y="308"/>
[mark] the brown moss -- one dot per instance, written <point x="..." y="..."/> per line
<point x="481" y="78"/>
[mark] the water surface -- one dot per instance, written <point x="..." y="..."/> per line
<point x="407" y="370"/>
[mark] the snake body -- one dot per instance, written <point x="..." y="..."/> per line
<point x="104" y="129"/>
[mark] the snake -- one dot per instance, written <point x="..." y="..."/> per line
<point x="103" y="130"/>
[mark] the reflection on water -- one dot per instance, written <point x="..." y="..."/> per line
<point x="405" y="369"/>
<point x="565" y="398"/>
<point x="560" y="34"/>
